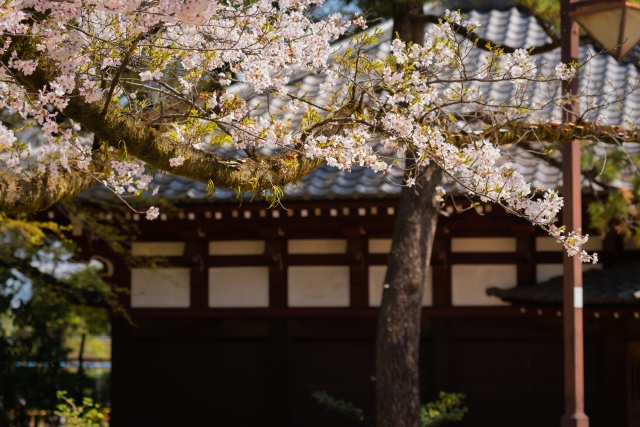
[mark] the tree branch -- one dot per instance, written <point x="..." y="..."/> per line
<point x="514" y="132"/>
<point x="39" y="192"/>
<point x="116" y="78"/>
<point x="147" y="144"/>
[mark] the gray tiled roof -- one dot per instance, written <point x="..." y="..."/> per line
<point x="619" y="284"/>
<point x="507" y="27"/>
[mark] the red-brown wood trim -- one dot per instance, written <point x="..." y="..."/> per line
<point x="441" y="267"/>
<point x="122" y="279"/>
<point x="520" y="310"/>
<point x="275" y="253"/>
<point x="196" y="248"/>
<point x="526" y="247"/>
<point x="358" y="271"/>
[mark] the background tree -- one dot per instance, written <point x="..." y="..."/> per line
<point x="46" y="304"/>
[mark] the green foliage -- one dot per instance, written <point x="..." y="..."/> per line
<point x="618" y="212"/>
<point x="447" y="409"/>
<point x="615" y="170"/>
<point x="88" y="414"/>
<point x="45" y="303"/>
<point x="343" y="407"/>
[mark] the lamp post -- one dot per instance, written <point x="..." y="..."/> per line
<point x="574" y="415"/>
<point x="615" y="25"/>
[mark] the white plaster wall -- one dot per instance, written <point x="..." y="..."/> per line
<point x="317" y="246"/>
<point x="160" y="287"/>
<point x="545" y="272"/>
<point x="379" y="246"/>
<point x="470" y="282"/>
<point x="239" y="287"/>
<point x="376" y="281"/>
<point x="326" y="286"/>
<point x="549" y="244"/>
<point x="157" y="248"/>
<point x="236" y="247"/>
<point x="483" y="244"/>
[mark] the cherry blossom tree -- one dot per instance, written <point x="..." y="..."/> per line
<point x="119" y="88"/>
<point x="116" y="89"/>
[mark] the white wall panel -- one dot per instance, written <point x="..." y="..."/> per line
<point x="326" y="286"/>
<point x="379" y="246"/>
<point x="239" y="287"/>
<point x="160" y="287"/>
<point x="545" y="272"/>
<point x="470" y="282"/>
<point x="483" y="244"/>
<point x="236" y="247"/>
<point x="157" y="248"/>
<point x="376" y="281"/>
<point x="317" y="246"/>
<point x="547" y="244"/>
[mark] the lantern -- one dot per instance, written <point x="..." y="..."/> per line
<point x="615" y="25"/>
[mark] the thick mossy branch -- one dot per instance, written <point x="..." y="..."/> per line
<point x="37" y="193"/>
<point x="146" y="143"/>
<point x="514" y="132"/>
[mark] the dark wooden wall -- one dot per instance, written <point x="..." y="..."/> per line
<point x="261" y="372"/>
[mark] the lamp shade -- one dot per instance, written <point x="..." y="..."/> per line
<point x="615" y="25"/>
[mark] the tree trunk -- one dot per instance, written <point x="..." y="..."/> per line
<point x="398" y="339"/>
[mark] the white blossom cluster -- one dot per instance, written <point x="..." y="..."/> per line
<point x="168" y="47"/>
<point x="128" y="176"/>
<point x="170" y="63"/>
<point x="426" y="87"/>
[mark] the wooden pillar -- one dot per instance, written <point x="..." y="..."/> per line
<point x="279" y="398"/>
<point x="276" y="251"/>
<point x="121" y="352"/>
<point x="358" y="274"/>
<point x="441" y="267"/>
<point x="525" y="248"/>
<point x="574" y="415"/>
<point x="197" y="250"/>
<point x="614" y="349"/>
<point x="442" y="355"/>
<point x="121" y="359"/>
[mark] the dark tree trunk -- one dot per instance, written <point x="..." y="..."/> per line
<point x="398" y="339"/>
<point x="405" y="24"/>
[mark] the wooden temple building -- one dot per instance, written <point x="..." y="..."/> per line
<point x="261" y="307"/>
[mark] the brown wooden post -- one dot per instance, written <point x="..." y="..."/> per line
<point x="197" y="250"/>
<point x="275" y="249"/>
<point x="358" y="277"/>
<point x="441" y="267"/>
<point x="574" y="415"/>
